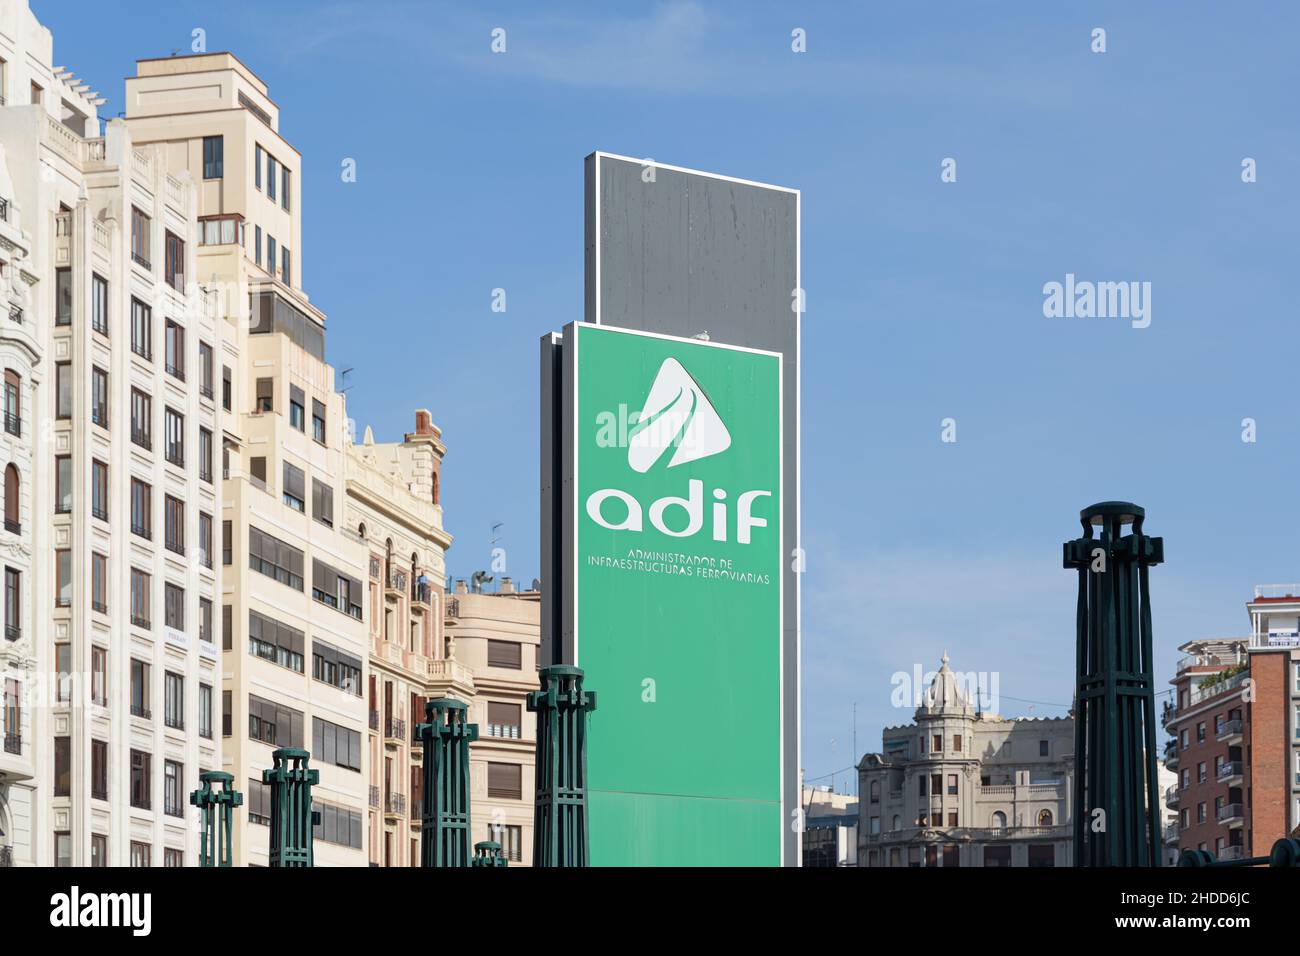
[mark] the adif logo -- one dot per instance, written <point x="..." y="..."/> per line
<point x="678" y="415"/>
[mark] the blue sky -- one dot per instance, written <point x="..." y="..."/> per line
<point x="924" y="299"/>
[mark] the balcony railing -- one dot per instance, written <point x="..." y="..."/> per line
<point x="374" y="797"/>
<point x="1231" y="811"/>
<point x="397" y="580"/>
<point x="1230" y="728"/>
<point x="1171" y="798"/>
<point x="13" y="527"/>
<point x="13" y="425"/>
<point x="942" y="834"/>
<point x="421" y="593"/>
<point x="14" y="743"/>
<point x="6" y="856"/>
<point x="395" y="728"/>
<point x="13" y="632"/>
<point x="1276" y="591"/>
<point x="374" y="720"/>
<point x="1232" y="852"/>
<point x="139" y="711"/>
<point x="395" y="803"/>
<point x="1231" y="768"/>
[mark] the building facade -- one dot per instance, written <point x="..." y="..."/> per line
<point x="1235" y="728"/>
<point x="294" y="635"/>
<point x="830" y="828"/>
<point x="393" y="505"/>
<point x="962" y="788"/>
<point x="115" y="582"/>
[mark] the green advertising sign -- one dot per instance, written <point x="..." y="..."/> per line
<point x="676" y="518"/>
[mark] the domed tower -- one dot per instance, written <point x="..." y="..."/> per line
<point x="945" y="780"/>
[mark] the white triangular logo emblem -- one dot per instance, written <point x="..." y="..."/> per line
<point x="678" y="415"/>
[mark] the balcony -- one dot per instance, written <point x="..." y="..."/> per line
<point x="374" y="797"/>
<point x="1231" y="731"/>
<point x="1171" y="755"/>
<point x="1171" y="798"/>
<point x="138" y="710"/>
<point x="14" y="744"/>
<point x="1171" y="834"/>
<point x="417" y="812"/>
<point x="1203" y="692"/>
<point x="1231" y="814"/>
<point x="1231" y="772"/>
<point x="374" y="723"/>
<point x="395" y="805"/>
<point x="13" y="632"/>
<point x="421" y="594"/>
<point x="13" y="425"/>
<point x="396" y="583"/>
<point x="6" y="856"/>
<point x="1234" y="852"/>
<point x="395" y="728"/>
<point x="453" y="608"/>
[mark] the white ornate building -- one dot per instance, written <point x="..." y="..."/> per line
<point x="963" y="788"/>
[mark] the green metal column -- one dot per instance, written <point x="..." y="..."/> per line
<point x="488" y="853"/>
<point x="292" y="816"/>
<point x="1116" y="808"/>
<point x="444" y="826"/>
<point x="560" y="807"/>
<point x="217" y="808"/>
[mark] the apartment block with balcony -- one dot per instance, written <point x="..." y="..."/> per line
<point x="393" y="506"/>
<point x="496" y="637"/>
<point x="1209" y="723"/>
<point x="294" y="634"/>
<point x="1273" y="745"/>
<point x="119" y="500"/>
<point x="959" y="787"/>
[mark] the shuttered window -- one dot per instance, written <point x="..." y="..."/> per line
<point x="505" y="654"/>
<point x="503" y="719"/>
<point x="295" y="483"/>
<point x="505" y="781"/>
<point x="322" y="502"/>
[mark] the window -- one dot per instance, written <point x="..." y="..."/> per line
<point x="141" y="786"/>
<point x="140" y="232"/>
<point x="338" y="668"/>
<point x="294" y="492"/>
<point x="226" y="389"/>
<point x="141" y="605"/>
<point x="505" y="654"/>
<point x="99" y="675"/>
<point x="297" y="410"/>
<point x="1043" y="748"/>
<point x="205" y="711"/>
<point x="221" y="230"/>
<point x="99" y="490"/>
<point x="257" y="244"/>
<point x="257" y="167"/>
<point x="141" y="508"/>
<point x="63" y="390"/>
<point x="227" y="629"/>
<point x="952" y="784"/>
<point x="174" y="435"/>
<point x="205" y="369"/>
<point x="503" y="721"/>
<point x="174" y="261"/>
<point x="1045" y="818"/>
<point x="205" y="620"/>
<point x="271" y="556"/>
<point x="1201" y="772"/>
<point x="286" y="265"/>
<point x="172" y="856"/>
<point x="938" y="743"/>
<point x="338" y="825"/>
<point x="12" y="519"/>
<point x="340" y="591"/>
<point x="956" y="743"/>
<point x="174" y="346"/>
<point x="141" y="419"/>
<point x="1200" y="732"/>
<point x="140" y="852"/>
<point x="511" y="840"/>
<point x="174" y="606"/>
<point x="999" y="820"/>
<point x="322" y="502"/>
<point x="205" y="539"/>
<point x="99" y="303"/>
<point x="13" y="604"/>
<point x="274" y="724"/>
<point x="63" y="671"/>
<point x="62" y="766"/>
<point x="141" y="330"/>
<point x="62" y="484"/>
<point x="99" y="397"/>
<point x="99" y="769"/>
<point x="505" y="781"/>
<point x="63" y="577"/>
<point x="13" y="716"/>
<point x="205" y="455"/>
<point x="336" y="745"/>
<point x="62" y="296"/>
<point x="62" y="838"/>
<point x="284" y="191"/>
<point x="173" y="804"/>
<point x="214" y="148"/>
<point x="13" y="404"/>
<point x="270" y="253"/>
<point x="227" y="543"/>
<point x="318" y="421"/>
<point x="140" y="689"/>
<point x="265" y="390"/>
<point x="174" y="524"/>
<point x="173" y="700"/>
<point x="1200" y="812"/>
<point x="271" y="167"/>
<point x="275" y="642"/>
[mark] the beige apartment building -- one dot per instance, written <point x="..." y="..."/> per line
<point x="294" y="635"/>
<point x="110" y="496"/>
<point x="961" y="787"/>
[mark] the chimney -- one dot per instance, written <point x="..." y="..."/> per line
<point x="461" y="586"/>
<point x="507" y="586"/>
